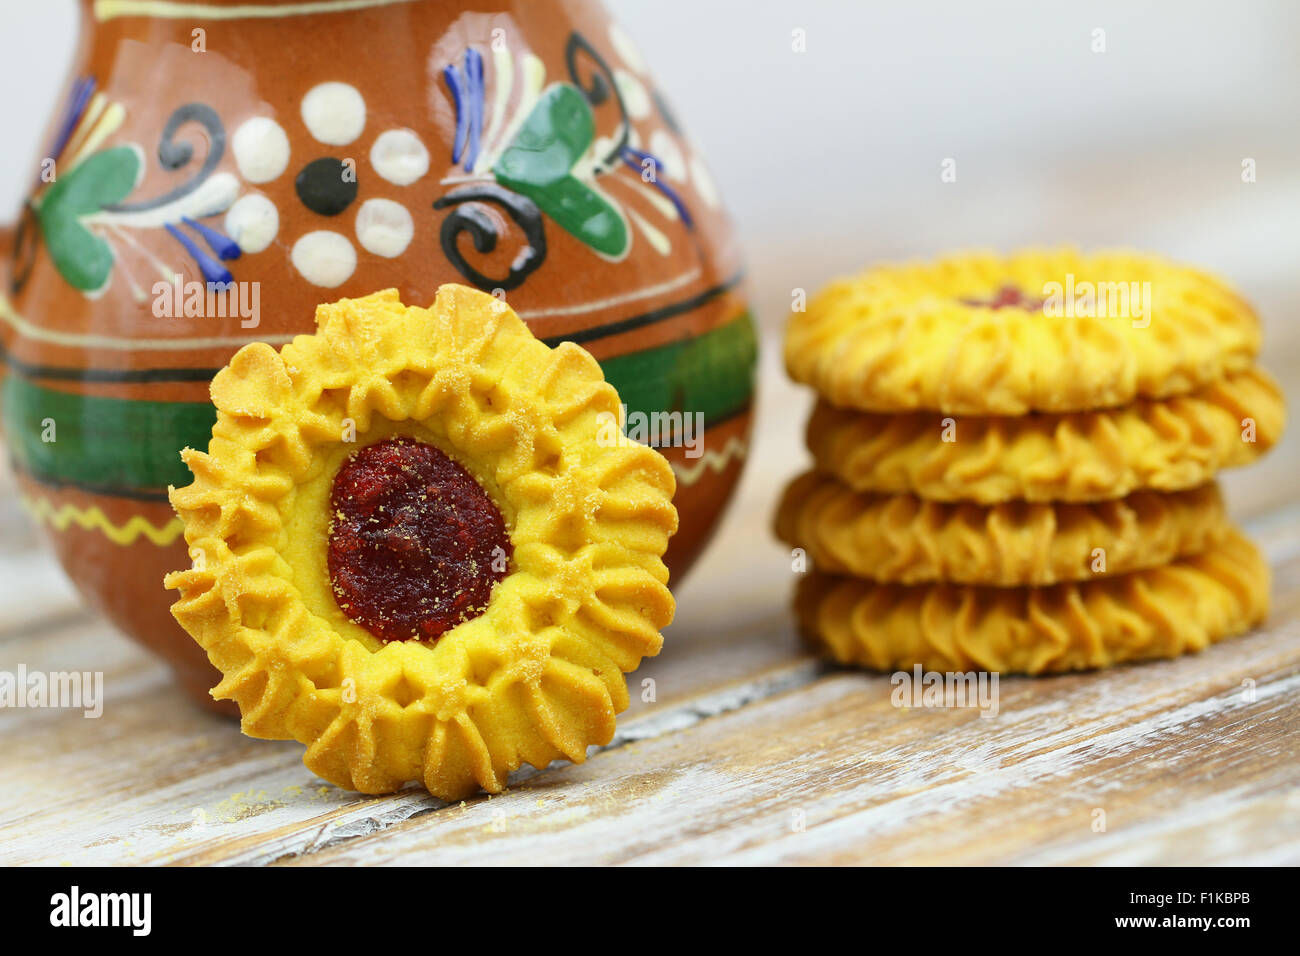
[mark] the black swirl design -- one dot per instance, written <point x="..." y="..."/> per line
<point x="173" y="154"/>
<point x="598" y="90"/>
<point x="470" y="218"/>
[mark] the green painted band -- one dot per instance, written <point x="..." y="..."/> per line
<point x="712" y="373"/>
<point x="118" y="445"/>
<point x="131" y="447"/>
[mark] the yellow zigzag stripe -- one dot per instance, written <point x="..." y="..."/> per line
<point x="93" y="519"/>
<point x="690" y="473"/>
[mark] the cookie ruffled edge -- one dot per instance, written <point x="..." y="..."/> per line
<point x="899" y="338"/>
<point x="1155" y="613"/>
<point x="539" y="675"/>
<point x="1165" y="445"/>
<point x="910" y="540"/>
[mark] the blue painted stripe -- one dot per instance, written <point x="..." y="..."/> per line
<point x="454" y="83"/>
<point x="213" y="271"/>
<point x="218" y="242"/>
<point x="474" y="70"/>
<point x="635" y="157"/>
<point x="80" y="95"/>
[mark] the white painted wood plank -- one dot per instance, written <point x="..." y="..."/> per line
<point x="34" y="592"/>
<point x="197" y="791"/>
<point x="746" y="727"/>
<point x="834" y="773"/>
<point x="155" y="779"/>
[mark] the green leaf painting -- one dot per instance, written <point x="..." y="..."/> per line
<point x="539" y="163"/>
<point x="107" y="177"/>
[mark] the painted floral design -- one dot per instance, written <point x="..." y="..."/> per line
<point x="540" y="160"/>
<point x="545" y="157"/>
<point x="84" y="213"/>
<point x="328" y="185"/>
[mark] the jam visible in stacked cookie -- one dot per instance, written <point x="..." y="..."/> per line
<point x="1014" y="462"/>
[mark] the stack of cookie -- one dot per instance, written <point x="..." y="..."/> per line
<point x="1014" y="462"/>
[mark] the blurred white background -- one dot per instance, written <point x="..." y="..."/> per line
<point x="831" y="158"/>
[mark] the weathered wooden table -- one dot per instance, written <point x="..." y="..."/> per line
<point x="752" y="752"/>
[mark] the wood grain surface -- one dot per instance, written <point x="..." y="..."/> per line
<point x="751" y="751"/>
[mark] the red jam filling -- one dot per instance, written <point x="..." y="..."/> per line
<point x="416" y="545"/>
<point x="1006" y="297"/>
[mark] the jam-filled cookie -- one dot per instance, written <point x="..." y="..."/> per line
<point x="1051" y="331"/>
<point x="1164" y="444"/>
<point x="1158" y="612"/>
<point x="414" y="553"/>
<point x="911" y="540"/>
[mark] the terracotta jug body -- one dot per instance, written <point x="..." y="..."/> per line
<point x="218" y="169"/>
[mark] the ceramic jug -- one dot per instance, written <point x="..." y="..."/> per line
<point x="219" y="168"/>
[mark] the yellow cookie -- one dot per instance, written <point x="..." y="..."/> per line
<point x="413" y="554"/>
<point x="1167" y="445"/>
<point x="1053" y="331"/>
<point x="1158" y="612"/>
<point x="910" y="540"/>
